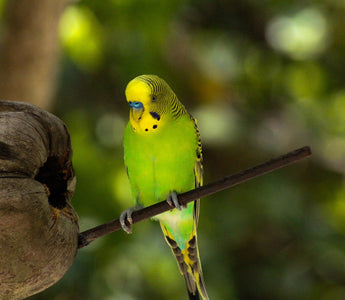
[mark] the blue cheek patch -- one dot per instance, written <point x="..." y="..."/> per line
<point x="136" y="104"/>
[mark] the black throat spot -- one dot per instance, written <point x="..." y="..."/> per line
<point x="155" y="115"/>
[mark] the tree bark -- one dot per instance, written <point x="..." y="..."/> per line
<point x="38" y="226"/>
<point x="29" y="57"/>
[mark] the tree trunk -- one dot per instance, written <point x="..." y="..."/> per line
<point x="29" y="56"/>
<point x="38" y="226"/>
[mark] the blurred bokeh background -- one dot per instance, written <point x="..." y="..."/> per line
<point x="261" y="77"/>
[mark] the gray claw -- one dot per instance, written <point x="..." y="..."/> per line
<point x="173" y="201"/>
<point x="127" y="215"/>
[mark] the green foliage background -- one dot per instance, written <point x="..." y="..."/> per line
<point x="262" y="78"/>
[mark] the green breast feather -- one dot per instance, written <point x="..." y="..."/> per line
<point x="162" y="162"/>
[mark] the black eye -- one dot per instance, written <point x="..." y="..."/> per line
<point x="153" y="98"/>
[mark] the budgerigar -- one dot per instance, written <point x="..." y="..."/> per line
<point x="162" y="153"/>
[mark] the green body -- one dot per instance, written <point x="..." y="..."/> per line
<point x="163" y="155"/>
<point x="159" y="163"/>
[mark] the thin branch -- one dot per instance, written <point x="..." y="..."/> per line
<point x="90" y="235"/>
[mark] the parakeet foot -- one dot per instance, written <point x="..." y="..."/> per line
<point x="127" y="215"/>
<point x="173" y="201"/>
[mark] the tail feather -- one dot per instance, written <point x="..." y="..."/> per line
<point x="189" y="264"/>
<point x="202" y="287"/>
<point x="193" y="255"/>
<point x="193" y="293"/>
<point x="196" y="291"/>
<point x="194" y="297"/>
<point x="191" y="287"/>
<point x="195" y="286"/>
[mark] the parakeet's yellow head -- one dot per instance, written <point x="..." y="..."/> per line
<point x="151" y="102"/>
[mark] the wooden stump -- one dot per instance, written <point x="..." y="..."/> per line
<point x="38" y="226"/>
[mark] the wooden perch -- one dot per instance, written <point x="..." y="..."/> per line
<point x="38" y="227"/>
<point x="90" y="235"/>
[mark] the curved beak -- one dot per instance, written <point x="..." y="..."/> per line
<point x="136" y="114"/>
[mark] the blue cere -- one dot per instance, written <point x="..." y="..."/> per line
<point x="136" y="104"/>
